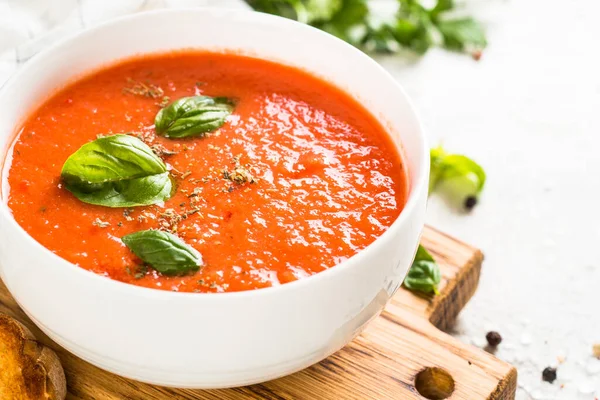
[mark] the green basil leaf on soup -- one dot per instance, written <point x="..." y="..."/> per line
<point x="193" y="116"/>
<point x="128" y="193"/>
<point x="117" y="171"/>
<point x="424" y="274"/>
<point x="164" y="252"/>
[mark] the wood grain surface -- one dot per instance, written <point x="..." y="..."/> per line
<point x="382" y="363"/>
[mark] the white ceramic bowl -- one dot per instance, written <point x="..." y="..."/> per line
<point x="210" y="340"/>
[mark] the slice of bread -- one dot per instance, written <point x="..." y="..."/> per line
<point x="28" y="369"/>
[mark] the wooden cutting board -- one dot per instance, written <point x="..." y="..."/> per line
<point x="403" y="354"/>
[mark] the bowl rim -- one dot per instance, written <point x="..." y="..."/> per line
<point x="415" y="185"/>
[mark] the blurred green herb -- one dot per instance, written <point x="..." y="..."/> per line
<point x="414" y="26"/>
<point x="424" y="275"/>
<point x="456" y="177"/>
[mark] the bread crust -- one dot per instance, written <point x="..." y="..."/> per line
<point x="28" y="369"/>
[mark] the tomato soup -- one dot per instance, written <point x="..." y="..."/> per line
<point x="321" y="178"/>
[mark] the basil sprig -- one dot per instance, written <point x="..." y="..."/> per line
<point x="117" y="171"/>
<point x="418" y="25"/>
<point x="192" y="116"/>
<point x="424" y="274"/>
<point x="458" y="178"/>
<point x="164" y="252"/>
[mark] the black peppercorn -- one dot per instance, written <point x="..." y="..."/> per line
<point x="493" y="338"/>
<point x="470" y="202"/>
<point x="549" y="374"/>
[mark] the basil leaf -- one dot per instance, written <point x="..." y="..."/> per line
<point x="380" y="39"/>
<point x="424" y="274"/>
<point x="462" y="34"/>
<point x="416" y="25"/>
<point x="284" y="8"/>
<point x="110" y="159"/>
<point x="414" y="28"/>
<point x="117" y="171"/>
<point x="337" y="17"/>
<point x="348" y="22"/>
<point x="319" y="10"/>
<point x="456" y="165"/>
<point x="127" y="193"/>
<point x="305" y="11"/>
<point x="423" y="254"/>
<point x="440" y="7"/>
<point x="458" y="178"/>
<point x="192" y="116"/>
<point x="164" y="252"/>
<point x="436" y="157"/>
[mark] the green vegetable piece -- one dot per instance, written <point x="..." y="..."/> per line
<point x="456" y="165"/>
<point x="112" y="158"/>
<point x="463" y="34"/>
<point x="424" y="274"/>
<point x="192" y="116"/>
<point x="458" y="178"/>
<point x="117" y="171"/>
<point x="164" y="252"/>
<point x="128" y="193"/>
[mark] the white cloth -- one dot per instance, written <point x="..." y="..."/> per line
<point x="28" y="26"/>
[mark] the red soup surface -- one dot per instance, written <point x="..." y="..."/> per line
<point x="329" y="181"/>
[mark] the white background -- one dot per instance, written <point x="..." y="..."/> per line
<point x="529" y="112"/>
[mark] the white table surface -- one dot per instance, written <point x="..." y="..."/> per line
<point x="529" y="113"/>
